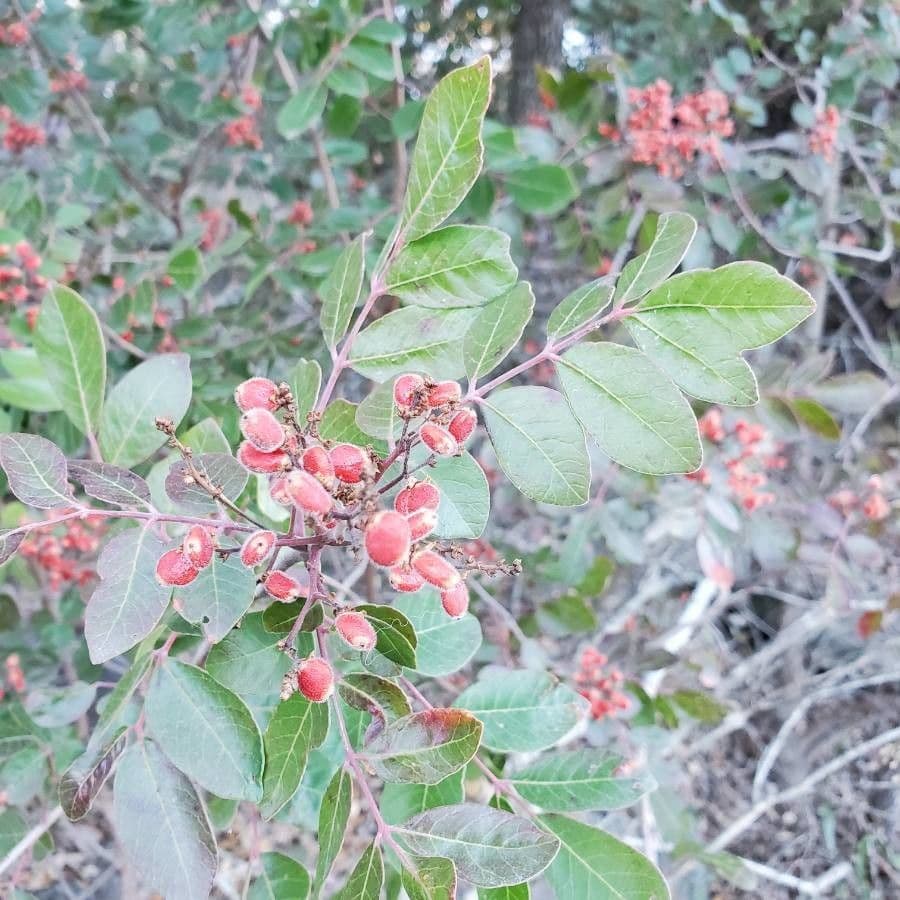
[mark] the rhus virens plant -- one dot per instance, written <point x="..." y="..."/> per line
<point x="247" y="657"/>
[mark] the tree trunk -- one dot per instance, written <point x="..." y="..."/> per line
<point x="537" y="40"/>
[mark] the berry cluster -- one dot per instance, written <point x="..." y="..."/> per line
<point x="19" y="136"/>
<point x="15" y="676"/>
<point x="301" y="214"/>
<point x="19" y="280"/>
<point x="824" y="134"/>
<point x="871" y="502"/>
<point x="242" y="132"/>
<point x="15" y="34"/>
<point x="68" y="82"/>
<point x="214" y="227"/>
<point x="600" y="686"/>
<point x="59" y="551"/>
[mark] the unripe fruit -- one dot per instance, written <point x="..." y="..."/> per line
<point x="387" y="538"/>
<point x="350" y="462"/>
<point x="422" y="495"/>
<point x="406" y="390"/>
<point x="438" y="439"/>
<point x="315" y="679"/>
<point x="264" y="463"/>
<point x="405" y="579"/>
<point x="262" y="429"/>
<point x="307" y="493"/>
<point x="257" y="547"/>
<point x="198" y="547"/>
<point x="356" y="630"/>
<point x="318" y="463"/>
<point x="282" y="586"/>
<point x="444" y="392"/>
<point x="255" y="393"/>
<point x="421" y="523"/>
<point x="463" y="424"/>
<point x="174" y="568"/>
<point x="455" y="600"/>
<point x="435" y="569"/>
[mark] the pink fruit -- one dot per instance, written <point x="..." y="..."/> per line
<point x="407" y="391"/>
<point x="174" y="568"/>
<point x="257" y="547"/>
<point x="435" y="569"/>
<point x="387" y="538"/>
<point x="422" y="495"/>
<point x="463" y="424"/>
<point x="315" y="679"/>
<point x="405" y="579"/>
<point x="318" y="463"/>
<point x="198" y="547"/>
<point x="356" y="630"/>
<point x="282" y="586"/>
<point x="264" y="463"/>
<point x="350" y="462"/>
<point x="443" y="393"/>
<point x="278" y="491"/>
<point x="421" y="523"/>
<point x="455" y="600"/>
<point x="255" y="393"/>
<point x="438" y="439"/>
<point x="262" y="429"/>
<point x="307" y="493"/>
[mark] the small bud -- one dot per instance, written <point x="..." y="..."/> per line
<point x="315" y="679"/>
<point x="435" y="569"/>
<point x="174" y="568"/>
<point x="455" y="600"/>
<point x="405" y="579"/>
<point x="257" y="547"/>
<point x="264" y="463"/>
<point x="463" y="424"/>
<point x="350" y="462"/>
<point x="407" y="390"/>
<point x="421" y="523"/>
<point x="198" y="547"/>
<point x="444" y="393"/>
<point x="438" y="439"/>
<point x="422" y="495"/>
<point x="387" y="538"/>
<point x="282" y="586"/>
<point x="318" y="463"/>
<point x="255" y="393"/>
<point x="307" y="493"/>
<point x="262" y="429"/>
<point x="356" y="630"/>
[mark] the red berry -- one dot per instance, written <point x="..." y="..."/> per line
<point x="435" y="569"/>
<point x="463" y="424"/>
<point x="438" y="439"/>
<point x="198" y="547"/>
<point x="254" y="393"/>
<point x="258" y="461"/>
<point x="405" y="579"/>
<point x="315" y="679"/>
<point x="257" y="547"/>
<point x="356" y="630"/>
<point x="350" y="462"/>
<point x="262" y="429"/>
<point x="421" y="523"/>
<point x="455" y="600"/>
<point x="387" y="538"/>
<point x="318" y="463"/>
<point x="407" y="391"/>
<point x="444" y="392"/>
<point x="174" y="568"/>
<point x="282" y="586"/>
<point x="307" y="493"/>
<point x="422" y="495"/>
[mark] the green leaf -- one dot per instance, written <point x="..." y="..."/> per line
<point x="522" y="710"/>
<point x="218" y="597"/>
<point x="465" y="496"/>
<point x="52" y="706"/>
<point x="448" y="153"/>
<point x="71" y="215"/>
<point x="129" y="602"/>
<point x="339" y="424"/>
<point x="539" y="444"/>
<point x="83" y="780"/>
<point x="489" y="847"/>
<point x="69" y="342"/>
<point x="110" y="483"/>
<point x="366" y="879"/>
<point x="282" y="878"/>
<point x="636" y="415"/>
<point x="30" y="394"/>
<point x="697" y="324"/>
<point x="222" y="469"/>
<point x="371" y="58"/>
<point x="206" y="730"/>
<point x="158" y="387"/>
<point x="508" y="892"/>
<point x="674" y="233"/>
<point x="574" y="780"/>
<point x="579" y="307"/>
<point x="700" y="706"/>
<point x="375" y="695"/>
<point x="413" y="339"/>
<point x="377" y="414"/>
<point x="433" y="879"/>
<point x="333" y="814"/>
<point x="348" y="82"/>
<point x="459" y="265"/>
<point x="186" y="269"/>
<point x="541" y="189"/>
<point x="340" y="291"/>
<point x="303" y="109"/>
<point x="497" y="329"/>
<point x="162" y="825"/>
<point x="593" y="865"/>
<point x="305" y="380"/>
<point x="815" y="417"/>
<point x="36" y="470"/>
<point x="423" y="747"/>
<point x="401" y="800"/>
<point x="396" y="638"/>
<point x="297" y="727"/>
<point x="445" y="645"/>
